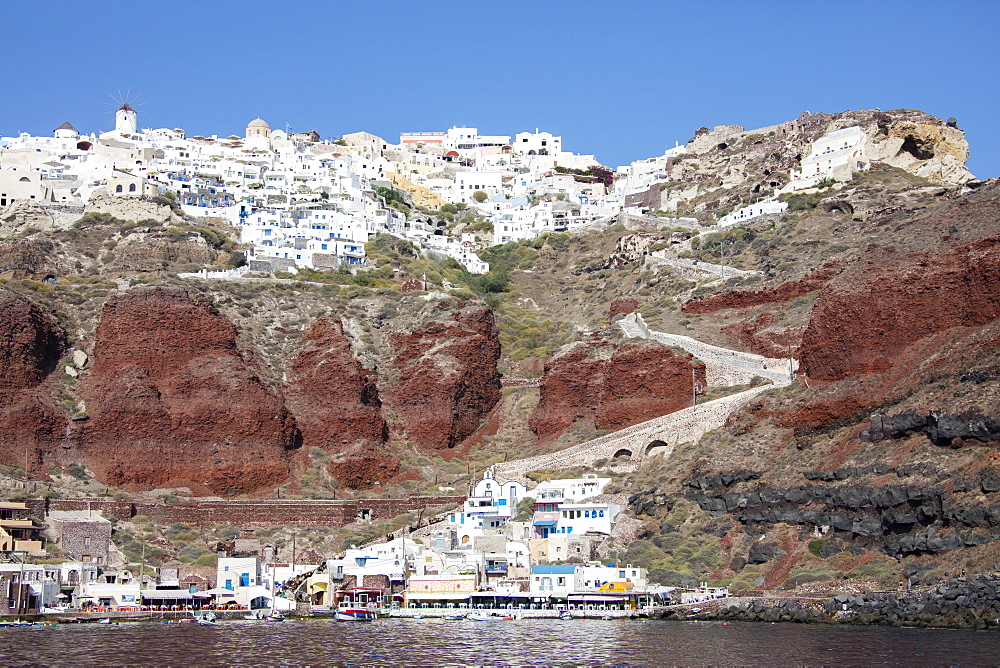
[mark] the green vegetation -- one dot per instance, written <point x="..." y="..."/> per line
<point x="525" y="509"/>
<point x="393" y="198"/>
<point x="599" y="173"/>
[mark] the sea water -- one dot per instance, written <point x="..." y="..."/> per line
<point x="544" y="642"/>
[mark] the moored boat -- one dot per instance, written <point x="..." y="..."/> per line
<point x="353" y="613"/>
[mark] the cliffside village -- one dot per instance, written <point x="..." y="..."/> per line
<point x="304" y="201"/>
<point x="506" y="547"/>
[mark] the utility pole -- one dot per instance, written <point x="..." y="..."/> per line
<point x="694" y="390"/>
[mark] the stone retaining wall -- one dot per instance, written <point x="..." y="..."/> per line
<point x="249" y="514"/>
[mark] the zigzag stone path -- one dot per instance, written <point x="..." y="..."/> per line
<point x="659" y="436"/>
<point x="725" y="367"/>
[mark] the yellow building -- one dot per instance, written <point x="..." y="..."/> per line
<point x="421" y="196"/>
<point x="17" y="532"/>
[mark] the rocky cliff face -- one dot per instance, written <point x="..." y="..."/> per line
<point x="27" y="258"/>
<point x="172" y="398"/>
<point x="444" y="378"/>
<point x="31" y="345"/>
<point x="864" y="322"/>
<point x="724" y="167"/>
<point x="614" y="385"/>
<point x="336" y="404"/>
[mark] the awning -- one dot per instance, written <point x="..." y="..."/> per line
<point x="157" y="594"/>
<point x="545" y="523"/>
<point x="440" y="595"/>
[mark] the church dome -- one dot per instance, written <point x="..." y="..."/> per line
<point x="258" y="123"/>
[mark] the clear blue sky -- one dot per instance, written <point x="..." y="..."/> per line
<point x="620" y="79"/>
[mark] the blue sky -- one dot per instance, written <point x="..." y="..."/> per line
<point x="622" y="80"/>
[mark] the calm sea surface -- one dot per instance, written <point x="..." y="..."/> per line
<point x="537" y="642"/>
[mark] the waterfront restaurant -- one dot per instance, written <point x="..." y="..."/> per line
<point x="174" y="599"/>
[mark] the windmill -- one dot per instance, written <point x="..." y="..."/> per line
<point x="125" y="111"/>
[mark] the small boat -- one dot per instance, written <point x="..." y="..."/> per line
<point x="255" y="616"/>
<point x="483" y="617"/>
<point x="454" y="618"/>
<point x="106" y="620"/>
<point x="275" y="616"/>
<point x="566" y="615"/>
<point x="206" y="618"/>
<point x="352" y="613"/>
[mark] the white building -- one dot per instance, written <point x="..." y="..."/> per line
<point x="537" y="143"/>
<point x="836" y="156"/>
<point x="762" y="208"/>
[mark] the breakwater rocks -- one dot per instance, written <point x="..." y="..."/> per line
<point x="955" y="604"/>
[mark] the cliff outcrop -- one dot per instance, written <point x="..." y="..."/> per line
<point x="27" y="258"/>
<point x="31" y="345"/>
<point x="614" y="385"/>
<point x="444" y="381"/>
<point x="172" y="399"/>
<point x="865" y="320"/>
<point x="777" y="295"/>
<point x="722" y="168"/>
<point x="337" y="407"/>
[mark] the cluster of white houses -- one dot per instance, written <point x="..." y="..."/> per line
<point x="505" y="547"/>
<point x="304" y="201"/>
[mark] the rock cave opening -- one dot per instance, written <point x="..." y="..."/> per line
<point x="919" y="149"/>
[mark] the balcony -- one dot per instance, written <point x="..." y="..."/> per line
<point x="496" y="569"/>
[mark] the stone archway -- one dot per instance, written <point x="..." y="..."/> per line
<point x="622" y="454"/>
<point x="656" y="447"/>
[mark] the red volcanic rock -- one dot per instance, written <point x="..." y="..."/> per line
<point x="172" y="398"/>
<point x="617" y="386"/>
<point x="30" y="347"/>
<point x="786" y="291"/>
<point x="622" y="306"/>
<point x="30" y="344"/>
<point x="756" y="336"/>
<point x="333" y="397"/>
<point x="336" y="404"/>
<point x="412" y="285"/>
<point x="362" y="465"/>
<point x="446" y="378"/>
<point x="867" y="319"/>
